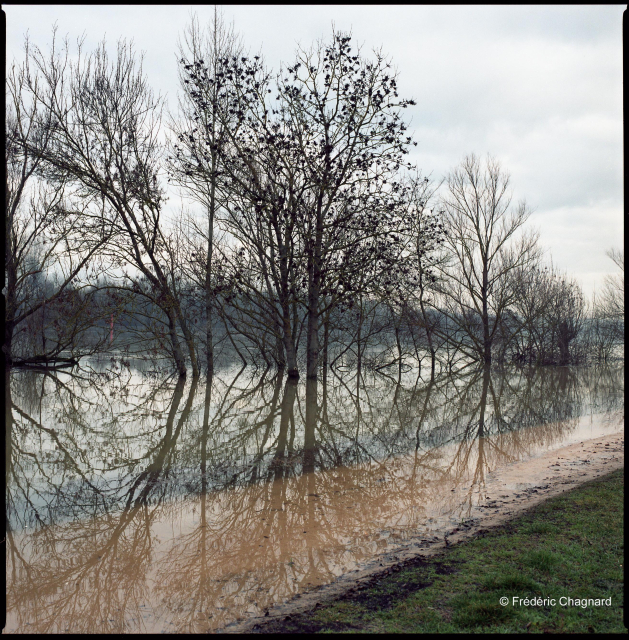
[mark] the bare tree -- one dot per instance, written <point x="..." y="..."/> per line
<point x="486" y="244"/>
<point x="51" y="237"/>
<point x="262" y="192"/>
<point x="315" y="168"/>
<point x="566" y="312"/>
<point x="344" y="110"/>
<point x="525" y="332"/>
<point x="612" y="297"/>
<point x="427" y="234"/>
<point x="608" y="314"/>
<point x="194" y="162"/>
<point x="103" y="139"/>
<point x="546" y="321"/>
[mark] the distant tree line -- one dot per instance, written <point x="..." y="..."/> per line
<point x="310" y="236"/>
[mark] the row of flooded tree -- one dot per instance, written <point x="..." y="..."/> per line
<point x="309" y="238"/>
<point x="134" y="503"/>
<point x="242" y="426"/>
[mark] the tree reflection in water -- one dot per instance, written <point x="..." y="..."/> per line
<point x="135" y="505"/>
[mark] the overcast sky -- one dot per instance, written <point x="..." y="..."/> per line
<point x="539" y="87"/>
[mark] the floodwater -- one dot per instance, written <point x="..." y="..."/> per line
<point x="138" y="504"/>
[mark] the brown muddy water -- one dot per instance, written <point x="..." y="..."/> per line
<point x="135" y="504"/>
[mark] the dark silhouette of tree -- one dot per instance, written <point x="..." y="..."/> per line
<point x="313" y="171"/>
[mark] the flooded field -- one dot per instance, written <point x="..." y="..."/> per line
<point x="140" y="504"/>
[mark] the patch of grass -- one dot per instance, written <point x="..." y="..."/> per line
<point x="509" y="582"/>
<point x="542" y="560"/>
<point x="476" y="610"/>
<point x="570" y="546"/>
<point x="540" y="527"/>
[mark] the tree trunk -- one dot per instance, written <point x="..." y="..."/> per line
<point x="280" y="353"/>
<point x="286" y="413"/>
<point x="358" y="338"/>
<point x="398" y="343"/>
<point x="189" y="339"/>
<point x="310" y="443"/>
<point x="486" y="338"/>
<point x="9" y="306"/>
<point x="291" y="357"/>
<point x="8" y="342"/>
<point x="564" y="342"/>
<point x="427" y="328"/>
<point x="180" y="361"/>
<point x="314" y="292"/>
<point x="326" y="341"/>
<point x="290" y="350"/>
<point x="483" y="401"/>
<point x="209" y="346"/>
<point x="312" y="353"/>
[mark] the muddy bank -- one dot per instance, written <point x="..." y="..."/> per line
<point x="509" y="491"/>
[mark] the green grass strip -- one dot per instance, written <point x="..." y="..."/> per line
<point x="570" y="546"/>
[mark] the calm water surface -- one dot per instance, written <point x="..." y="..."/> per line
<point x="139" y="504"/>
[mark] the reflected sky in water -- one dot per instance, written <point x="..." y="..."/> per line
<point x="139" y="503"/>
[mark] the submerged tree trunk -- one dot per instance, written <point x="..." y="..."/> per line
<point x="427" y="328"/>
<point x="286" y="413"/>
<point x="483" y="401"/>
<point x="291" y="358"/>
<point x="359" y="352"/>
<point x="205" y="432"/>
<point x="563" y="340"/>
<point x="280" y="353"/>
<point x="310" y="442"/>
